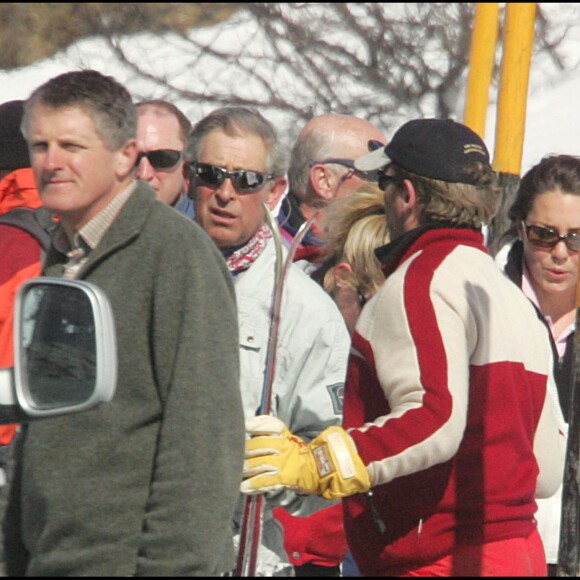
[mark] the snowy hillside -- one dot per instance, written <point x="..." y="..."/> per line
<point x="553" y="115"/>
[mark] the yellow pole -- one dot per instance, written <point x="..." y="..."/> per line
<point x="481" y="61"/>
<point x="514" y="77"/>
<point x="518" y="43"/>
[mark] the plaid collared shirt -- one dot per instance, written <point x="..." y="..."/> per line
<point x="88" y="237"/>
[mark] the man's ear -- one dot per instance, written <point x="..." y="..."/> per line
<point x="410" y="195"/>
<point x="126" y="158"/>
<point x="342" y="274"/>
<point x="409" y="209"/>
<point x="322" y="180"/>
<point x="187" y="178"/>
<point x="276" y="192"/>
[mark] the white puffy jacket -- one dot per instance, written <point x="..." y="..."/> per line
<point x="311" y="361"/>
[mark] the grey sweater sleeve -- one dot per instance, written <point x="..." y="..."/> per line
<point x="198" y="463"/>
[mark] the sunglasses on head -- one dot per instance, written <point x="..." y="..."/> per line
<point x="244" y="180"/>
<point x="373" y="145"/>
<point x="161" y="158"/>
<point x="348" y="163"/>
<point x="543" y="237"/>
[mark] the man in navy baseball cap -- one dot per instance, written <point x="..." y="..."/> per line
<point x="434" y="148"/>
<point x="450" y="428"/>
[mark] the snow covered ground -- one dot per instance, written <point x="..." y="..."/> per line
<point x="553" y="113"/>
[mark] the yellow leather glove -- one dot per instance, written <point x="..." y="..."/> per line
<point x="276" y="459"/>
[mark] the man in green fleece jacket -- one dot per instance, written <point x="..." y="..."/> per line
<point x="146" y="484"/>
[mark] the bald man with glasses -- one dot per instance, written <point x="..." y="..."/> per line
<point x="322" y="170"/>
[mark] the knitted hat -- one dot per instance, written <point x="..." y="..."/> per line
<point x="13" y="147"/>
<point x="434" y="148"/>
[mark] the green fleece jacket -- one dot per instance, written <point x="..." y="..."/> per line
<point x="146" y="484"/>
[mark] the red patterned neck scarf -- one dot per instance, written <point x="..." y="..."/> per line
<point x="242" y="258"/>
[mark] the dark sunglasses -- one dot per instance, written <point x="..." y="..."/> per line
<point x="244" y="180"/>
<point x="161" y="158"/>
<point x="362" y="300"/>
<point x="548" y="237"/>
<point x="349" y="163"/>
<point x="384" y="180"/>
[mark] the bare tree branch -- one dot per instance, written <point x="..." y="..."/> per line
<point x="386" y="62"/>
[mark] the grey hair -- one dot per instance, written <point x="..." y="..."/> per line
<point x="105" y="100"/>
<point x="234" y="121"/>
<point x="309" y="146"/>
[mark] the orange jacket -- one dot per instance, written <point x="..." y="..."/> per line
<point x="20" y="256"/>
<point x="18" y="189"/>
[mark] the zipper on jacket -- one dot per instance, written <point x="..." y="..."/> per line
<point x="379" y="523"/>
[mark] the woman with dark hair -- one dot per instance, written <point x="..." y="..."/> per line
<point x="542" y="258"/>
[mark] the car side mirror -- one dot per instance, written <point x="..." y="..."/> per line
<point x="65" y="352"/>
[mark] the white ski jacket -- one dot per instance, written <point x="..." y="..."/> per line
<point x="311" y="361"/>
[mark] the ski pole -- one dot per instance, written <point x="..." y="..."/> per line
<point x="251" y="530"/>
<point x="250" y="534"/>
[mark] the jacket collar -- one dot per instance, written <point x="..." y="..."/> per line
<point x="126" y="226"/>
<point x="397" y="251"/>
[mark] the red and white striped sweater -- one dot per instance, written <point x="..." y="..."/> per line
<point x="446" y="400"/>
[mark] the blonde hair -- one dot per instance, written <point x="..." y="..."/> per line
<point x="354" y="227"/>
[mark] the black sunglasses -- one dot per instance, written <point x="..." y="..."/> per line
<point x="362" y="300"/>
<point x="349" y="163"/>
<point x="244" y="180"/>
<point x="161" y="158"/>
<point x="384" y="180"/>
<point x="548" y="237"/>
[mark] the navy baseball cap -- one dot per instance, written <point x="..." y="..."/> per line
<point x="433" y="148"/>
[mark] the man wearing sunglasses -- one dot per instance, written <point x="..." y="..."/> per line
<point x="321" y="170"/>
<point x="162" y="131"/>
<point x="238" y="167"/>
<point x="451" y="426"/>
